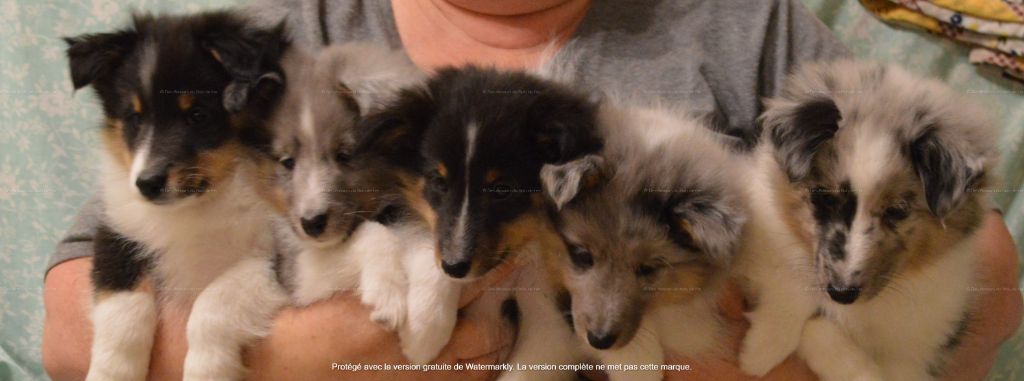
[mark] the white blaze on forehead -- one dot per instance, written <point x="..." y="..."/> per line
<point x="147" y="66"/>
<point x="306" y="122"/>
<point x="870" y="161"/>
<point x="460" y="227"/>
<point x="141" y="155"/>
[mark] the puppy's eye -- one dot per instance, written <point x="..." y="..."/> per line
<point x="196" y="115"/>
<point x="896" y="213"/>
<point x="437" y="182"/>
<point x="342" y="157"/>
<point x="134" y="119"/>
<point x="645" y="271"/>
<point x="287" y="162"/>
<point x="581" y="257"/>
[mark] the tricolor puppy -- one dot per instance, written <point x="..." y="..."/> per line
<point x="475" y="141"/>
<point x="867" y="210"/>
<point x="650" y="227"/>
<point x="478" y="138"/>
<point x="342" y="200"/>
<point x="183" y="98"/>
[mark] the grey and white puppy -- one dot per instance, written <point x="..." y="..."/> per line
<point x="650" y="226"/>
<point x="866" y="211"/>
<point x="342" y="210"/>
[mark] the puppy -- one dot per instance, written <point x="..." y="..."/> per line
<point x="473" y="141"/>
<point x="650" y="227"/>
<point x="342" y="205"/>
<point x="183" y="97"/>
<point x="866" y="215"/>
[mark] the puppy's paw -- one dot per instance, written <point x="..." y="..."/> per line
<point x="871" y="373"/>
<point x="422" y="342"/>
<point x="764" y="348"/>
<point x="421" y="352"/>
<point x="203" y="365"/>
<point x="114" y="373"/>
<point x="390" y="319"/>
<point x="117" y="364"/>
<point x="389" y="308"/>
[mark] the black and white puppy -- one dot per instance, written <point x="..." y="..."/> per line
<point x="473" y="142"/>
<point x="342" y="202"/>
<point x="865" y="213"/>
<point x="183" y="98"/>
<point x="651" y="225"/>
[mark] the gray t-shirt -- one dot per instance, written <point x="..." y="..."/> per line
<point x="719" y="57"/>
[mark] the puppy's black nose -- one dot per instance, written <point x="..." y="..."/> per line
<point x="601" y="341"/>
<point x="315" y="226"/>
<point x="455" y="270"/>
<point x="843" y="295"/>
<point x="151" y="186"/>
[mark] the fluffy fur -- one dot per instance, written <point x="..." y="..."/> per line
<point x="650" y="226"/>
<point x="342" y="205"/>
<point x="476" y="140"/>
<point x="473" y="142"/>
<point x="183" y="97"/>
<point x="861" y="251"/>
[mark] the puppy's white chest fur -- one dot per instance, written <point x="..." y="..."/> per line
<point x="899" y="334"/>
<point x="320" y="272"/>
<point x="918" y="312"/>
<point x="197" y="239"/>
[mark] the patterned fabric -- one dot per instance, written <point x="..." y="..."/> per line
<point x="907" y="17"/>
<point x="47" y="138"/>
<point x="1011" y="64"/>
<point x="911" y="14"/>
<point x="995" y="10"/>
<point x="1013" y="28"/>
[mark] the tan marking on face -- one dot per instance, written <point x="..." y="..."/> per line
<point x="266" y="186"/>
<point x="684" y="225"/>
<point x="211" y="167"/>
<point x="491" y="176"/>
<point x="113" y="140"/>
<point x="185" y="101"/>
<point x="442" y="170"/>
<point x="216" y="55"/>
<point x="552" y="259"/>
<point x="412" y="192"/>
<point x="136" y="104"/>
<point x="530" y="228"/>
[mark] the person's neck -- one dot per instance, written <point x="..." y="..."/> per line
<point x="507" y="34"/>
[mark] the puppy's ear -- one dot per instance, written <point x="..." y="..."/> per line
<point x="946" y="172"/>
<point x="251" y="56"/>
<point x="563" y="182"/>
<point x="94" y="56"/>
<point x="395" y="131"/>
<point x="709" y="224"/>
<point x="797" y="133"/>
<point x="564" y="126"/>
